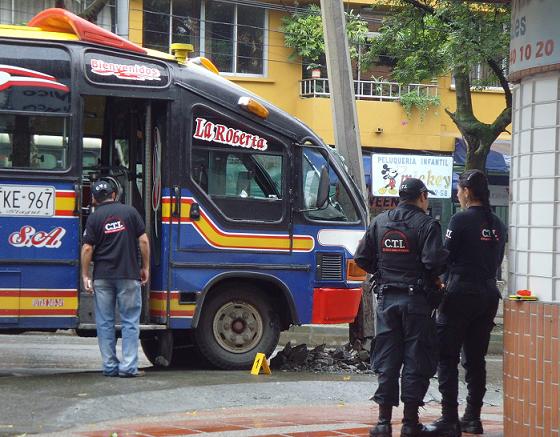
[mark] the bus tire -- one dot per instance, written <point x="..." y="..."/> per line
<point x="235" y="324"/>
<point x="159" y="348"/>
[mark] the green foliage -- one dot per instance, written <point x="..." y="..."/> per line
<point x="456" y="36"/>
<point x="420" y="102"/>
<point x="303" y="32"/>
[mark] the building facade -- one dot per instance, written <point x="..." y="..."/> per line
<point x="531" y="329"/>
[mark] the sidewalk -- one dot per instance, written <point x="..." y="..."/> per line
<point x="294" y="421"/>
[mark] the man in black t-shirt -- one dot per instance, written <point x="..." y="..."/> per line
<point x="113" y="235"/>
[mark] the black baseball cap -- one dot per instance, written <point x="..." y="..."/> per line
<point x="411" y="188"/>
<point x="101" y="189"/>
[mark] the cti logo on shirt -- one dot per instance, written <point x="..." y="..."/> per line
<point x="489" y="235"/>
<point x="113" y="225"/>
<point x="395" y="241"/>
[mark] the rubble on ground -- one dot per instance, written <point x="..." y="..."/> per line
<point x="341" y="359"/>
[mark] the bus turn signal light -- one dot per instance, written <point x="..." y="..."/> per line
<point x="254" y="107"/>
<point x="204" y="62"/>
<point x="353" y="272"/>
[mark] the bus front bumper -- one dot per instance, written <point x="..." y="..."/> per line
<point x="335" y="305"/>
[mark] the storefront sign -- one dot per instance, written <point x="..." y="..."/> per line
<point x="389" y="171"/>
<point x="535" y="35"/>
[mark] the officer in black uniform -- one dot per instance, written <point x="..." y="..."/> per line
<point x="403" y="248"/>
<point x="476" y="240"/>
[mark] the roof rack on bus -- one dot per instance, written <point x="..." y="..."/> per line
<point x="61" y="20"/>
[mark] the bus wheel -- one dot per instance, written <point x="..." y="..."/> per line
<point x="235" y="324"/>
<point x="159" y="348"/>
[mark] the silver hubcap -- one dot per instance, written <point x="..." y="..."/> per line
<point x="238" y="327"/>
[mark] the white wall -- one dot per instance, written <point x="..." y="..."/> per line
<point x="534" y="229"/>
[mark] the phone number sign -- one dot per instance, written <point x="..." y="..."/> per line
<point x="27" y="200"/>
<point x="535" y="36"/>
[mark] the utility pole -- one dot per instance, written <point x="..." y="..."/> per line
<point x="122" y="18"/>
<point x="346" y="133"/>
<point x="341" y="85"/>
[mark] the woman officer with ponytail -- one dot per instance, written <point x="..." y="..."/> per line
<point x="475" y="239"/>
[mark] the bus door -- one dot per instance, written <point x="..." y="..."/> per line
<point x="235" y="209"/>
<point x="39" y="218"/>
<point x="115" y="133"/>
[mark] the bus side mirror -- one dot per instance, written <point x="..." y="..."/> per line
<point x="323" y="189"/>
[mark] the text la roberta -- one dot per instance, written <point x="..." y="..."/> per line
<point x="218" y="133"/>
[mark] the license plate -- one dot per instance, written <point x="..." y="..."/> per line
<point x="27" y="200"/>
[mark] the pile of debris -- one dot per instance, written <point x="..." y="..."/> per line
<point x="342" y="359"/>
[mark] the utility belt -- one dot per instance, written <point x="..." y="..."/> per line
<point x="388" y="288"/>
<point x="433" y="294"/>
<point x="470" y="281"/>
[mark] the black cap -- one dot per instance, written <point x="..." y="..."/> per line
<point x="411" y="188"/>
<point x="101" y="189"/>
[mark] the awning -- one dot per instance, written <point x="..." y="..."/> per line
<point x="497" y="162"/>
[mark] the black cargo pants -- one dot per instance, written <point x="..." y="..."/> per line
<point x="465" y="320"/>
<point x="405" y="337"/>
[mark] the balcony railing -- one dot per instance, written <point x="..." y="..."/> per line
<point x="368" y="89"/>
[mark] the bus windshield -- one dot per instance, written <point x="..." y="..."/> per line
<point x="339" y="207"/>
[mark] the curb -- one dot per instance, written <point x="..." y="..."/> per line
<point x="337" y="335"/>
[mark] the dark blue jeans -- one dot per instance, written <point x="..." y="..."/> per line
<point x="464" y="322"/>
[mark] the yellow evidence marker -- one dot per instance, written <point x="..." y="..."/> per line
<point x="260" y="363"/>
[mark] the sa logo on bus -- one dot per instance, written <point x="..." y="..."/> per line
<point x="28" y="236"/>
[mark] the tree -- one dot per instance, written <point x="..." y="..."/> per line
<point x="303" y="32"/>
<point x="429" y="38"/>
<point x="90" y="13"/>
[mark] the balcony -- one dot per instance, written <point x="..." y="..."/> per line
<point x="368" y="89"/>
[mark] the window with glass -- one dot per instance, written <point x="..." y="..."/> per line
<point x="339" y="206"/>
<point x="21" y="11"/>
<point x="231" y="35"/>
<point x="33" y="142"/>
<point x="243" y="183"/>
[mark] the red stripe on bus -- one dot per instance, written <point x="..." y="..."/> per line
<point x="38" y="293"/>
<point x="65" y="194"/>
<point x="175" y="313"/>
<point x="39" y="312"/>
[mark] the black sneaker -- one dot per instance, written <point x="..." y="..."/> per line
<point x="138" y="374"/>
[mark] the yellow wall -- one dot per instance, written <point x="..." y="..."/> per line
<point x="135" y="21"/>
<point x="280" y="86"/>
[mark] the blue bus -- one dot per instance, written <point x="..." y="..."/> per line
<point x="253" y="221"/>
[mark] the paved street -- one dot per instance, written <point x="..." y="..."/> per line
<point x="51" y="385"/>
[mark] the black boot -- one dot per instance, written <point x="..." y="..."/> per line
<point x="470" y="422"/>
<point x="447" y="425"/>
<point x="411" y="426"/>
<point x="383" y="427"/>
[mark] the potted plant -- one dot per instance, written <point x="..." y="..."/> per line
<point x="303" y="32"/>
<point x="315" y="70"/>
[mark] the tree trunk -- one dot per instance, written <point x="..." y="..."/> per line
<point x="60" y="4"/>
<point x="362" y="328"/>
<point x="93" y="10"/>
<point x="478" y="136"/>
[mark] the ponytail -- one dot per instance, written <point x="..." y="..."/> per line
<point x="477" y="183"/>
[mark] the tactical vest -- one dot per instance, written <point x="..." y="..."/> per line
<point x="399" y="249"/>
